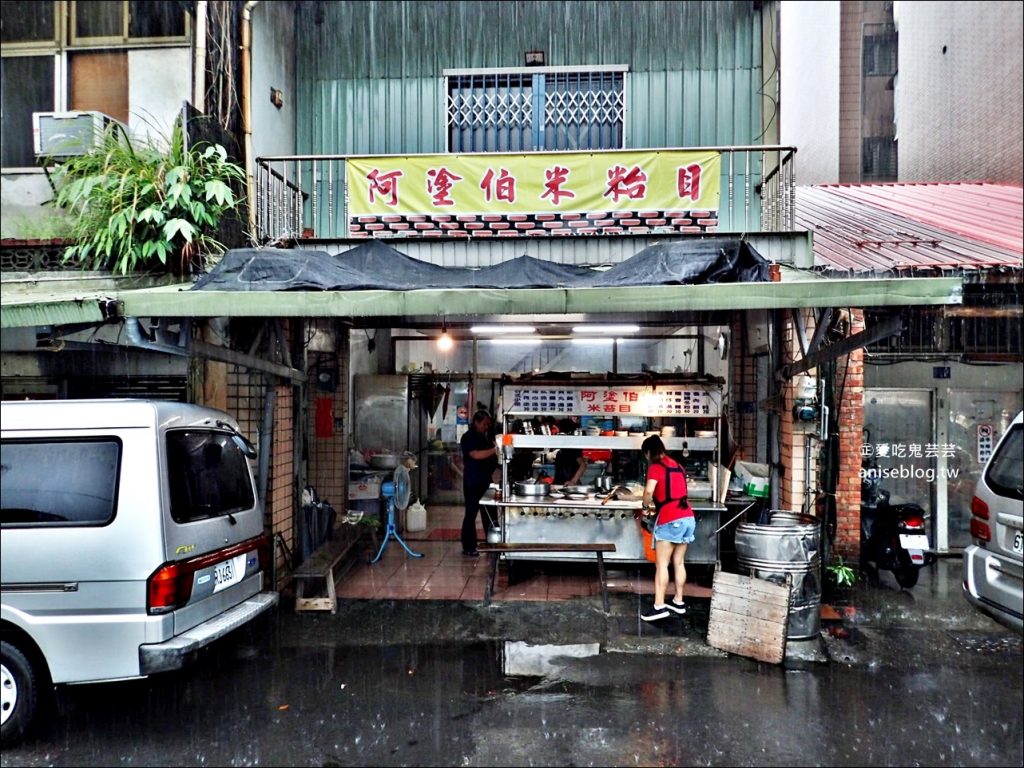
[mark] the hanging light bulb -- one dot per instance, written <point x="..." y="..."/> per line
<point x="444" y="341"/>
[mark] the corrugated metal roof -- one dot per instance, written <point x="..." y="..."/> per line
<point x="911" y="227"/>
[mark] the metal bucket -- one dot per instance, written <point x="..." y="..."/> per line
<point x="789" y="545"/>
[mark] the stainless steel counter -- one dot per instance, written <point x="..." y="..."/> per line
<point x="542" y="519"/>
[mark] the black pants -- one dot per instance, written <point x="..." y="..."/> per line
<point x="473" y="494"/>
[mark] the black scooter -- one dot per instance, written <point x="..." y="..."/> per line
<point x="892" y="536"/>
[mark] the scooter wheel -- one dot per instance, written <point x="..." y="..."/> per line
<point x="906" y="577"/>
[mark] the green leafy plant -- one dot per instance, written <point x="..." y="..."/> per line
<point x="136" y="207"/>
<point x="370" y="522"/>
<point x="842" y="574"/>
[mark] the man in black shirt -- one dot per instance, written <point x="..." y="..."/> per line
<point x="480" y="459"/>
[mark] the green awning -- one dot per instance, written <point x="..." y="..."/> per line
<point x="797" y="289"/>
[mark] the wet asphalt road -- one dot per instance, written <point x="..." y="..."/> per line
<point x="918" y="679"/>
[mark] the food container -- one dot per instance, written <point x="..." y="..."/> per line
<point x="621" y="433"/>
<point x="384" y="461"/>
<point x="668" y="431"/>
<point x="531" y="489"/>
<point x="578" y="489"/>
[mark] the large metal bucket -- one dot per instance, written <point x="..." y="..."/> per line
<point x="790" y="545"/>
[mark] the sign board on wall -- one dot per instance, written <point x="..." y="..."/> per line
<point x="534" y="193"/>
<point x="664" y="400"/>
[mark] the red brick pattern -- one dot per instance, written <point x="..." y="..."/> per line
<point x="743" y="367"/>
<point x="850" y="373"/>
<point x="543" y="224"/>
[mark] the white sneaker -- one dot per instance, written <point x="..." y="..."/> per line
<point x="679" y="608"/>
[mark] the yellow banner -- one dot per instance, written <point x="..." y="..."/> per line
<point x="534" y="183"/>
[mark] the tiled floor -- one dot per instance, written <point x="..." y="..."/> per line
<point x="444" y="573"/>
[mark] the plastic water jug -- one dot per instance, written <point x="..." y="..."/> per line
<point x="416" y="517"/>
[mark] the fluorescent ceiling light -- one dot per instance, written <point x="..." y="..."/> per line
<point x="605" y="328"/>
<point x="496" y="329"/>
<point x="516" y="342"/>
<point x="597" y="342"/>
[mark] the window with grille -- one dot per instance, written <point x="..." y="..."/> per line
<point x="878" y="159"/>
<point x="536" y="109"/>
<point x="880" y="49"/>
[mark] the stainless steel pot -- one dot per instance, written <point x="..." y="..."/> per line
<point x="578" y="489"/>
<point x="532" y="489"/>
<point x="384" y="461"/>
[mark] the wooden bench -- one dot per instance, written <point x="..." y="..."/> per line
<point x="495" y="550"/>
<point x="320" y="566"/>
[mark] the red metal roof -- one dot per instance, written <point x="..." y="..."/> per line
<point x="913" y="226"/>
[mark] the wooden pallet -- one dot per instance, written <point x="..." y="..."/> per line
<point x="749" y="617"/>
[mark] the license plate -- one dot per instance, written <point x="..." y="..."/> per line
<point x="228" y="573"/>
<point x="913" y="541"/>
<point x="1018" y="543"/>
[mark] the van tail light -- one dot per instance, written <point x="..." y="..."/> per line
<point x="980" y="530"/>
<point x="979" y="508"/>
<point x="167" y="589"/>
<point x="170" y="586"/>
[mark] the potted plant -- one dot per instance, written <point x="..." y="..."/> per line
<point x="136" y="206"/>
<point x="839" y="579"/>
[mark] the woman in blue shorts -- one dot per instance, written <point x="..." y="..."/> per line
<point x="665" y="493"/>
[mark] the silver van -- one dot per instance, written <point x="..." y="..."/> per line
<point x="994" y="564"/>
<point x="130" y="537"/>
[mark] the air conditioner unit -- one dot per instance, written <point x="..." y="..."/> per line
<point x="66" y="134"/>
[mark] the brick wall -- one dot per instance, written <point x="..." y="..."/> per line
<point x="539" y="224"/>
<point x="850" y="389"/>
<point x="742" y="390"/>
<point x="793" y="444"/>
<point x="851" y="20"/>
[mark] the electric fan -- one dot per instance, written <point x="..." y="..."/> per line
<point x="397" y="493"/>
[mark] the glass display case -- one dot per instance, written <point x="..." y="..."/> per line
<point x="611" y="422"/>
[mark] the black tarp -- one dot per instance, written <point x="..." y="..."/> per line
<point x="377" y="266"/>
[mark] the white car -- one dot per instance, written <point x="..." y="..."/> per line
<point x="994" y="564"/>
<point x="132" y="538"/>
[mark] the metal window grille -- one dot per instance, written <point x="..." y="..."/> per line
<point x="880" y="49"/>
<point x="941" y="333"/>
<point x="535" y="110"/>
<point x="878" y="158"/>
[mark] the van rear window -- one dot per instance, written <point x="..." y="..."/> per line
<point x="1006" y="469"/>
<point x="209" y="475"/>
<point x="59" y="482"/>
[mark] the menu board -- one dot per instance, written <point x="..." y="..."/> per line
<point x="662" y="400"/>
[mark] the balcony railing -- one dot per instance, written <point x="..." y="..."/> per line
<point x="304" y="197"/>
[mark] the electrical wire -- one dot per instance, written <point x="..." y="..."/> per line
<point x="764" y="83"/>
